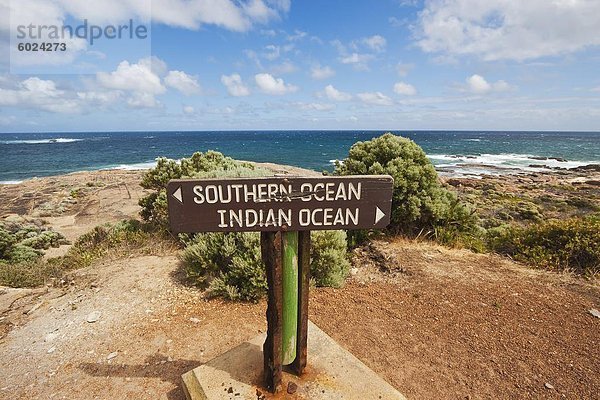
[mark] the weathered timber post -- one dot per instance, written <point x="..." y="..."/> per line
<point x="284" y="210"/>
<point x="271" y="247"/>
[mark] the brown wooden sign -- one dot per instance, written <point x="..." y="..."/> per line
<point x="280" y="203"/>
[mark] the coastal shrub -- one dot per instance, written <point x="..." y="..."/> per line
<point x="24" y="241"/>
<point x="419" y="203"/>
<point x="572" y="244"/>
<point x="25" y="274"/>
<point x="230" y="264"/>
<point x="210" y="164"/>
<point x="7" y="240"/>
<point x="121" y="238"/>
<point x="329" y="264"/>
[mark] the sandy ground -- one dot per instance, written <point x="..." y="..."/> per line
<point x="434" y="322"/>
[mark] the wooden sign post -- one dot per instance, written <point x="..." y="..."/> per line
<point x="284" y="210"/>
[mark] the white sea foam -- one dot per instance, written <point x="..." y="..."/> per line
<point x="135" y="167"/>
<point x="10" y="182"/>
<point x="498" y="164"/>
<point x="42" y="141"/>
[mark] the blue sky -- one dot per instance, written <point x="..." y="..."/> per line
<point x="281" y="64"/>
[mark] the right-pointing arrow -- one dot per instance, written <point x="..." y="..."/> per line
<point x="378" y="215"/>
<point x="177" y="195"/>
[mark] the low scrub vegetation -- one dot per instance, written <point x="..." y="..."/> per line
<point x="230" y="264"/>
<point x="22" y="245"/>
<point x="420" y="204"/>
<point x="118" y="240"/>
<point x="23" y="241"/>
<point x="572" y="244"/>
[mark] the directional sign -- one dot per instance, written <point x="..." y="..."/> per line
<point x="280" y="203"/>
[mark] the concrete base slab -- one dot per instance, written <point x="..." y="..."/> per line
<point x="332" y="373"/>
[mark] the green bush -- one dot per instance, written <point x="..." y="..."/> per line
<point x="329" y="264"/>
<point x="230" y="264"/>
<point x="21" y="247"/>
<point x="211" y="164"/>
<point x="572" y="244"/>
<point x="419" y="203"/>
<point x="7" y="240"/>
<point x="24" y="241"/>
<point x="125" y="236"/>
<point x="25" y="274"/>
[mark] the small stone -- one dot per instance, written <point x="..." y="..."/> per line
<point x="353" y="271"/>
<point x="93" y="317"/>
<point x="51" y="350"/>
<point x="594" y="312"/>
<point x="548" y="386"/>
<point x="292" y="388"/>
<point x="230" y="390"/>
<point x="112" y="355"/>
<point x="194" y="320"/>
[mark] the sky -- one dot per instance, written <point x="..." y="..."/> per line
<point x="291" y="64"/>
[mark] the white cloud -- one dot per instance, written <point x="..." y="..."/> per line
<point x="235" y="86"/>
<point x="142" y="100"/>
<point x="356" y="58"/>
<point x="99" y="98"/>
<point x="516" y="30"/>
<point x="297" y="35"/>
<point x="375" y="98"/>
<point x="404" y="68"/>
<point x="188" y="110"/>
<point x="271" y="85"/>
<point x="376" y="43"/>
<point x="233" y="15"/>
<point x="142" y="81"/>
<point x="479" y="85"/>
<point x="137" y="77"/>
<point x="318" y="72"/>
<point x="272" y="52"/>
<point x="286" y="67"/>
<point x="314" y="106"/>
<point x="36" y="93"/>
<point x="333" y="94"/>
<point x="404" y="89"/>
<point x="192" y="14"/>
<point x="183" y="82"/>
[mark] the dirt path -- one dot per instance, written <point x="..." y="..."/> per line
<point x="461" y="325"/>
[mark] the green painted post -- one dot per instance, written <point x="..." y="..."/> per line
<point x="290" y="296"/>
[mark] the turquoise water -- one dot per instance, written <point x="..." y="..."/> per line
<point x="27" y="155"/>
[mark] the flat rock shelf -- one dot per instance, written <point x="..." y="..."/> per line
<point x="332" y="373"/>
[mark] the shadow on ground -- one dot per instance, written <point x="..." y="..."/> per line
<point x="156" y="366"/>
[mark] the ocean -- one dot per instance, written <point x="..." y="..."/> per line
<point x="454" y="153"/>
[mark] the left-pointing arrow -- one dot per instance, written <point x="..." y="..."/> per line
<point x="177" y="195"/>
